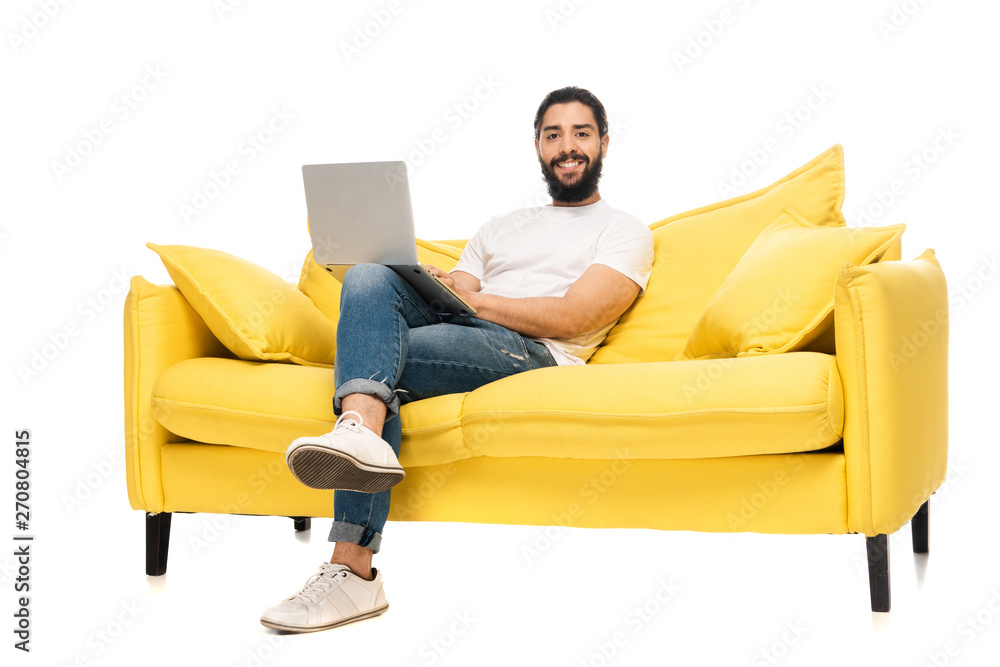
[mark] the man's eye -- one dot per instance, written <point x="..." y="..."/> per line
<point x="552" y="136"/>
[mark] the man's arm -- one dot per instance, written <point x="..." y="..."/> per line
<point x="597" y="297"/>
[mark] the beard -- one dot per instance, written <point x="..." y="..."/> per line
<point x="585" y="185"/>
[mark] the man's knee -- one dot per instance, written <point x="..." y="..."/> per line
<point x="367" y="276"/>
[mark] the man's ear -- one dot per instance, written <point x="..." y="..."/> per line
<point x="604" y="145"/>
<point x="538" y="149"/>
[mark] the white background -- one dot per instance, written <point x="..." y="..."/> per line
<point x="885" y="79"/>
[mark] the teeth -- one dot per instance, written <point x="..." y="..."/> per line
<point x="569" y="165"/>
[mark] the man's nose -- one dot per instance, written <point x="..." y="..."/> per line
<point x="568" y="145"/>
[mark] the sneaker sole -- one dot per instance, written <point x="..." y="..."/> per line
<point x="321" y="468"/>
<point x="316" y="628"/>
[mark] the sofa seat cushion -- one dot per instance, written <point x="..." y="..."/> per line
<point x="663" y="410"/>
<point x="266" y="405"/>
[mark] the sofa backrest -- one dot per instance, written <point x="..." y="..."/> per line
<point x="695" y="251"/>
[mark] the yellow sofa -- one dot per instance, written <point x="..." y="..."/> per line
<point x="844" y="431"/>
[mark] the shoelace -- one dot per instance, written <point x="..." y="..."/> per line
<point x="321" y="582"/>
<point x="350" y="424"/>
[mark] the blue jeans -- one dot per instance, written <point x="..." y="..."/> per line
<point x="392" y="345"/>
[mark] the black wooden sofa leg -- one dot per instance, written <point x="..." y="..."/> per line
<point x="302" y="523"/>
<point x="157" y="543"/>
<point x="919" y="526"/>
<point x="878" y="556"/>
<point x="878" y="571"/>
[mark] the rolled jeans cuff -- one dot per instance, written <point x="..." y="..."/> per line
<point x="342" y="531"/>
<point x="372" y="388"/>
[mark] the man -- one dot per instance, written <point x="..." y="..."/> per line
<point x="547" y="284"/>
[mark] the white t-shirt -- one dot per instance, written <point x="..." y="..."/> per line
<point x="537" y="252"/>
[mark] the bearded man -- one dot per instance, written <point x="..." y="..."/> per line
<point x="547" y="284"/>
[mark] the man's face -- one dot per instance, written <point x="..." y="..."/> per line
<point x="570" y="151"/>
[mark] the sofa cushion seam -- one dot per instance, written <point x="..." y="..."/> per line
<point x="173" y="404"/>
<point x="811" y="408"/>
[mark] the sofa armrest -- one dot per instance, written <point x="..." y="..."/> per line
<point x="160" y="330"/>
<point x="891" y="322"/>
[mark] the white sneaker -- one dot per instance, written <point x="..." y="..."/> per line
<point x="350" y="457"/>
<point x="331" y="597"/>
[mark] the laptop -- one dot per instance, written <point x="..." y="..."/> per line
<point x="360" y="212"/>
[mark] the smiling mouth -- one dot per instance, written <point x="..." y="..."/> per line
<point x="570" y="165"/>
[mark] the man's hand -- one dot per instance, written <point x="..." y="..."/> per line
<point x="465" y="284"/>
<point x="597" y="298"/>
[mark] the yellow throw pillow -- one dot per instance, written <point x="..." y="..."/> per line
<point x="780" y="295"/>
<point x="696" y="250"/>
<point x="438" y="254"/>
<point x="322" y="287"/>
<point x="256" y="314"/>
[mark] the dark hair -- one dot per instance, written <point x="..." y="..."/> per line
<point x="573" y="94"/>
